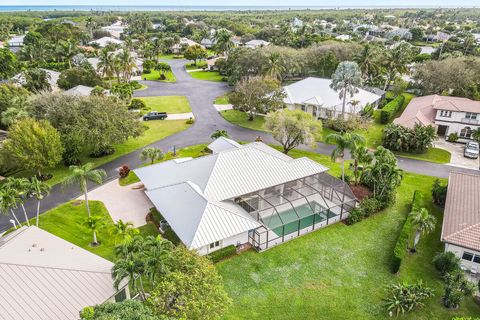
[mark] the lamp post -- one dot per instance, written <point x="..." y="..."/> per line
<point x="14" y="223"/>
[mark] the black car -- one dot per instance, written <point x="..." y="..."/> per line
<point x="155" y="115"/>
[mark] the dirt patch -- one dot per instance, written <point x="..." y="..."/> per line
<point x="361" y="192"/>
<point x="76" y="202"/>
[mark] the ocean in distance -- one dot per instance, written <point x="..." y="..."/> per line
<point x="191" y="8"/>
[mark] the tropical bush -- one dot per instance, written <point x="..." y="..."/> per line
<point x="79" y="76"/>
<point x="401" y="246"/>
<point x="457" y="287"/>
<point x="389" y="111"/>
<point x="356" y="215"/>
<point x="223" y="253"/>
<point x="446" y="262"/>
<point x="416" y="140"/>
<point x="344" y="125"/>
<point x="453" y="137"/>
<point x="137" y="104"/>
<point x="128" y="309"/>
<point x="366" y="208"/>
<point x="439" y="193"/>
<point x="404" y="297"/>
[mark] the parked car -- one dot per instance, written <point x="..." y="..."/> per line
<point x="471" y="150"/>
<point x="155" y="115"/>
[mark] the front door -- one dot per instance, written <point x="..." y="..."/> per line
<point x="442" y="130"/>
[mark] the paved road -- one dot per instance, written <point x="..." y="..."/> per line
<point x="201" y="95"/>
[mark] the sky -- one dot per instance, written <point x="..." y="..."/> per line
<point x="344" y="3"/>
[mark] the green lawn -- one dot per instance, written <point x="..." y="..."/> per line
<point x="157" y="130"/>
<point x="339" y="272"/>
<point x="432" y="155"/>
<point x="222" y="100"/>
<point x="207" y="75"/>
<point x="168" y="104"/>
<point x="142" y="87"/>
<point x="66" y="221"/>
<point x="241" y="119"/>
<point x="155" y="76"/>
<point x="188" y="152"/>
<point x="170" y="56"/>
<point x="199" y="65"/>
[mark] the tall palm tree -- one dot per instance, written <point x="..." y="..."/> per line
<point x="81" y="175"/>
<point x="106" y="63"/>
<point x="39" y="190"/>
<point x="368" y="60"/>
<point x="90" y="24"/>
<point x="8" y="202"/>
<point x="424" y="223"/>
<point x="343" y="142"/>
<point x="274" y="67"/>
<point x="21" y="188"/>
<point x="94" y="223"/>
<point x="130" y="268"/>
<point x="124" y="230"/>
<point x="128" y="64"/>
<point x="396" y="62"/>
<point x="223" y="40"/>
<point x="361" y="156"/>
<point x="157" y="255"/>
<point x="346" y="80"/>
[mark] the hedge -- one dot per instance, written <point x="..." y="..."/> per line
<point x="390" y="110"/>
<point x="223" y="253"/>
<point x="401" y="246"/>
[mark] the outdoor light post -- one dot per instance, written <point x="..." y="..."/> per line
<point x="13" y="222"/>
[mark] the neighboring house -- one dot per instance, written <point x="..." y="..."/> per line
<point x="80" y="90"/>
<point x="16" y="41"/>
<point x="53" y="77"/>
<point x="105" y="41"/>
<point x="184" y="42"/>
<point x="438" y="37"/>
<point x="208" y="43"/>
<point x="344" y="37"/>
<point x="448" y="114"/>
<point x="254" y="44"/>
<point x="315" y="96"/>
<point x="211" y="63"/>
<point x="244" y="195"/>
<point x="427" y="50"/>
<point x="45" y="277"/>
<point x="461" y="219"/>
<point x="401" y="33"/>
<point x="297" y="23"/>
<point x="116" y="29"/>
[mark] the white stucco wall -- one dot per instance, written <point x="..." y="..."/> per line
<point x="237" y="239"/>
<point x="458" y="251"/>
<point x="456" y="122"/>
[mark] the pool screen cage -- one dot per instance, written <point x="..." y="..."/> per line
<point x="289" y="210"/>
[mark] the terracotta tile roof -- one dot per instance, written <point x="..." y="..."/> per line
<point x="461" y="220"/>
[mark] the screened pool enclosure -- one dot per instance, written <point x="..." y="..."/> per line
<point x="295" y="208"/>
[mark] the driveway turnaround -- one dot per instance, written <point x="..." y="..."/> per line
<point x="201" y="96"/>
<point x="129" y="203"/>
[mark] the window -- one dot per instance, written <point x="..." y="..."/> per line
<point x="445" y="113"/>
<point x="476" y="259"/>
<point x="466" y="132"/>
<point x="467" y="256"/>
<point x="214" y="245"/>
<point x="121" y="296"/>
<point x="470" y="115"/>
<point x="304" y="108"/>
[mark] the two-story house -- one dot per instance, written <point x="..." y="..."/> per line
<point x="447" y="114"/>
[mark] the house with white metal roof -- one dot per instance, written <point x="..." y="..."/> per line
<point x="52" y="78"/>
<point x="44" y="277"/>
<point x="244" y="194"/>
<point x="255" y="43"/>
<point x="315" y="96"/>
<point x="105" y="41"/>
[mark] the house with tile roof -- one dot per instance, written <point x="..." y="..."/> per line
<point x="244" y="194"/>
<point x="45" y="277"/>
<point x="449" y="114"/>
<point x="461" y="219"/>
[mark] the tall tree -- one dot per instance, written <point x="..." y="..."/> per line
<point x="346" y="80"/>
<point x="8" y="67"/>
<point x="424" y="223"/>
<point x="292" y="128"/>
<point x="81" y="175"/>
<point x="37" y="80"/>
<point x="21" y="188"/>
<point x="35" y="145"/>
<point x="195" y="52"/>
<point x="342" y="142"/>
<point x="396" y="62"/>
<point x="39" y="190"/>
<point x="124" y="230"/>
<point x="223" y="40"/>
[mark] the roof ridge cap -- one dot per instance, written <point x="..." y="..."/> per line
<point x="462" y="230"/>
<point x="56" y="268"/>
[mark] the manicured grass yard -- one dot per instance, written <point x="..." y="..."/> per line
<point x="207" y="75"/>
<point x="157" y="130"/>
<point x="339" y="272"/>
<point x="66" y="221"/>
<point x="168" y="104"/>
<point x="433" y="155"/>
<point x="199" y="65"/>
<point x="241" y="119"/>
<point x="170" y="56"/>
<point x="222" y="100"/>
<point x="155" y="76"/>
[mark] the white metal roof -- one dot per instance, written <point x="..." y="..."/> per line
<point x="317" y="90"/>
<point x="222" y="144"/>
<point x="80" y="90"/>
<point x="105" y="41"/>
<point x="196" y="220"/>
<point x="45" y="277"/>
<point x="53" y="77"/>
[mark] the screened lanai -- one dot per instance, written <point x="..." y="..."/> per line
<point x="297" y="207"/>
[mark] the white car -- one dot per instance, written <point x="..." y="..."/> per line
<point x="471" y="150"/>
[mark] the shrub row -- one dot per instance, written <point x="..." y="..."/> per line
<point x="401" y="246"/>
<point x="390" y="110"/>
<point x="223" y="253"/>
<point x="366" y="208"/>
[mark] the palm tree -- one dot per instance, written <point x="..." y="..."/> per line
<point x="106" y="63"/>
<point x="274" y="68"/>
<point x="124" y="230"/>
<point x="424" y="223"/>
<point x="361" y="156"/>
<point x="157" y="255"/>
<point x="90" y="24"/>
<point x="224" y="42"/>
<point x="21" y="188"/>
<point x="8" y="202"/>
<point x="346" y="80"/>
<point x="81" y="175"/>
<point x="94" y="223"/>
<point x="343" y="142"/>
<point x="127" y="62"/>
<point x="151" y="154"/>
<point x="368" y="60"/>
<point x="396" y="62"/>
<point x="39" y="190"/>
<point x="130" y="268"/>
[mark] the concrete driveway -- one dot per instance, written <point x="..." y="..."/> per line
<point x="456" y="149"/>
<point x="127" y="203"/>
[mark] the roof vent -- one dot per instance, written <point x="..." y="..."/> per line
<point x="34" y="245"/>
<point x="42" y="249"/>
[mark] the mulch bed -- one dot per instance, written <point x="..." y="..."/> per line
<point x="360" y="192"/>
